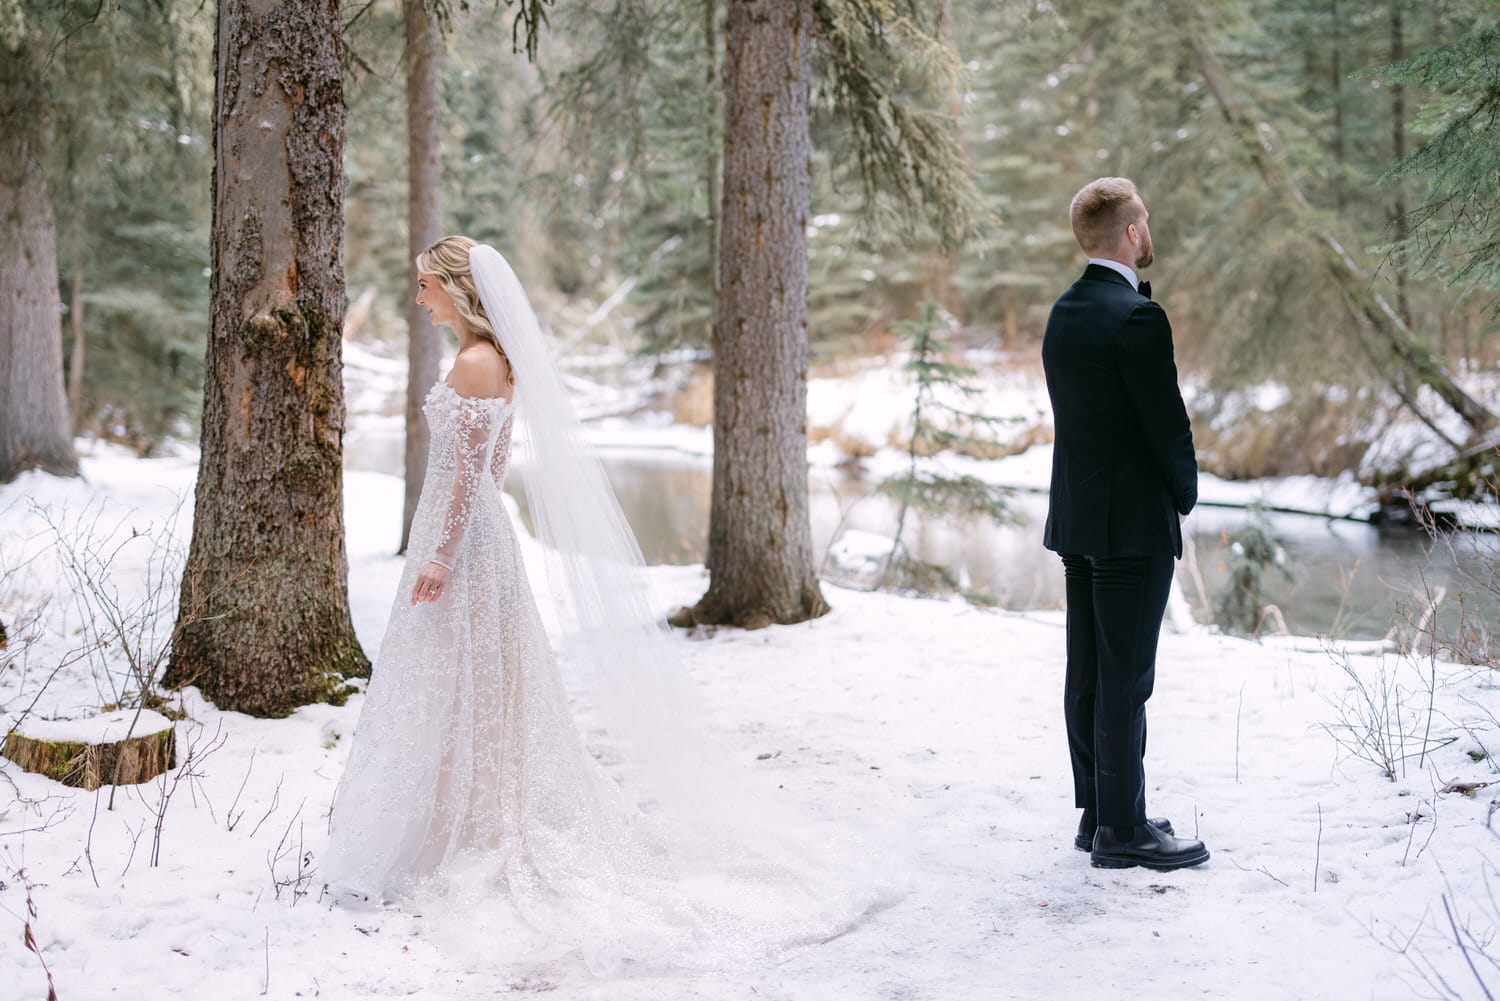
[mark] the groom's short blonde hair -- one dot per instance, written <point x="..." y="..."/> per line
<point x="1101" y="211"/>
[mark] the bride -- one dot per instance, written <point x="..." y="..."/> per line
<point x="468" y="786"/>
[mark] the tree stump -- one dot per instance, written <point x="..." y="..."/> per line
<point x="88" y="753"/>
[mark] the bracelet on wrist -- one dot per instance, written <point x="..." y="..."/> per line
<point x="442" y="563"/>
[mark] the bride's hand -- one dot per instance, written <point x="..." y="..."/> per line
<point x="430" y="583"/>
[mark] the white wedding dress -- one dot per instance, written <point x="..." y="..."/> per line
<point x="468" y="789"/>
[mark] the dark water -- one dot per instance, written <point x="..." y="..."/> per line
<point x="1348" y="579"/>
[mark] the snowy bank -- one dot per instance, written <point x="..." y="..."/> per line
<point x="931" y="726"/>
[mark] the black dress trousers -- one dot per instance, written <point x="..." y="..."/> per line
<point x="1115" y="608"/>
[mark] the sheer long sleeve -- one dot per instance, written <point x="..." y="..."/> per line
<point x="472" y="448"/>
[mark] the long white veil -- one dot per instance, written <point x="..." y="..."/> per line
<point x="616" y="647"/>
<point x="614" y="642"/>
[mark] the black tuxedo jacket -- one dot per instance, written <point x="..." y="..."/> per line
<point x="1123" y="467"/>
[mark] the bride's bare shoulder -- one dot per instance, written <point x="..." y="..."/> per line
<point x="480" y="371"/>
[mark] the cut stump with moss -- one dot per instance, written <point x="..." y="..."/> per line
<point x="88" y="753"/>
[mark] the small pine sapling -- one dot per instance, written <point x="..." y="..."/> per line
<point x="1241" y="607"/>
<point x="939" y="427"/>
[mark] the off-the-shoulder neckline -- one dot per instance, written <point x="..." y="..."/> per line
<point x="499" y="402"/>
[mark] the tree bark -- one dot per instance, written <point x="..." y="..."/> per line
<point x="1382" y="327"/>
<point x="1336" y="79"/>
<point x="424" y="227"/>
<point x="76" y="352"/>
<point x="1398" y="153"/>
<point x="713" y="167"/>
<point x="35" y="432"/>
<point x="265" y="608"/>
<point x="760" y="557"/>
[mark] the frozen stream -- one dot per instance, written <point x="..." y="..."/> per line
<point x="1349" y="579"/>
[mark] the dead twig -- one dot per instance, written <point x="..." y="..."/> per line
<point x="1318" y="849"/>
<point x="275" y="801"/>
<point x="28" y="933"/>
<point x="230" y="817"/>
<point x="198" y="750"/>
<point x="1261" y="869"/>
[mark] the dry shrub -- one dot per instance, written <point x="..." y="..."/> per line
<point x="1311" y="433"/>
<point x="693" y="403"/>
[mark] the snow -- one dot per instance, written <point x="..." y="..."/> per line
<point x="1469" y="514"/>
<point x="931" y="727"/>
<point x="105" y="728"/>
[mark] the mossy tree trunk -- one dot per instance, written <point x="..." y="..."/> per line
<point x="760" y="555"/>
<point x="35" y="432"/>
<point x="264" y="615"/>
<point x="424" y="227"/>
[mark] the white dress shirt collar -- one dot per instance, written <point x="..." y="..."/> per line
<point x="1123" y="269"/>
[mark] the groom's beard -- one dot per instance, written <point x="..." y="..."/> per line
<point x="1146" y="255"/>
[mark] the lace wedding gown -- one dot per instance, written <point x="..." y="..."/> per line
<point x="468" y="781"/>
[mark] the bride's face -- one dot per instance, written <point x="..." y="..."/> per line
<point x="431" y="297"/>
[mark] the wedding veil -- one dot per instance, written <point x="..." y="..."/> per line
<point x="614" y="642"/>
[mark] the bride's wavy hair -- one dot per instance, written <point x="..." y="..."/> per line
<point x="448" y="261"/>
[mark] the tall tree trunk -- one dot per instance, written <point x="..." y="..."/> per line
<point x="760" y="556"/>
<point x="35" y="432"/>
<point x="76" y="354"/>
<point x="1385" y="333"/>
<point x="713" y="167"/>
<point x="424" y="227"/>
<point x="264" y="617"/>
<point x="1398" y="153"/>
<point x="1336" y="78"/>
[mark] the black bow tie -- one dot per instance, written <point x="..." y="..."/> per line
<point x="1144" y="288"/>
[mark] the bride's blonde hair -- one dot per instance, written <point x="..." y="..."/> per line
<point x="448" y="261"/>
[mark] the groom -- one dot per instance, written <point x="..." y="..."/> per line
<point x="1123" y="474"/>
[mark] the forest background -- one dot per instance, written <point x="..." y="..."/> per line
<point x="593" y="167"/>
<point x="1323" y="181"/>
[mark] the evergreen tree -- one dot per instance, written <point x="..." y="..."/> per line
<point x="940" y="424"/>
<point x="131" y="155"/>
<point x="424" y="227"/>
<point x="760" y="555"/>
<point x="1456" y="233"/>
<point x="1025" y="130"/>
<point x="34" y="425"/>
<point x="760" y="562"/>
<point x="264" y="603"/>
<point x="1242" y="607"/>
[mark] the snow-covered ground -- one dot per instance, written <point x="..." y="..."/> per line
<point x="930" y="726"/>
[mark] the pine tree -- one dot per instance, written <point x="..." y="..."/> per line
<point x="760" y="561"/>
<point x="1242" y="608"/>
<point x="35" y="430"/>
<point x="424" y="227"/>
<point x="131" y="157"/>
<point x="938" y="426"/>
<point x="264" y="590"/>
<point x="760" y="554"/>
<point x="1024" y="130"/>
<point x="1456" y="233"/>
